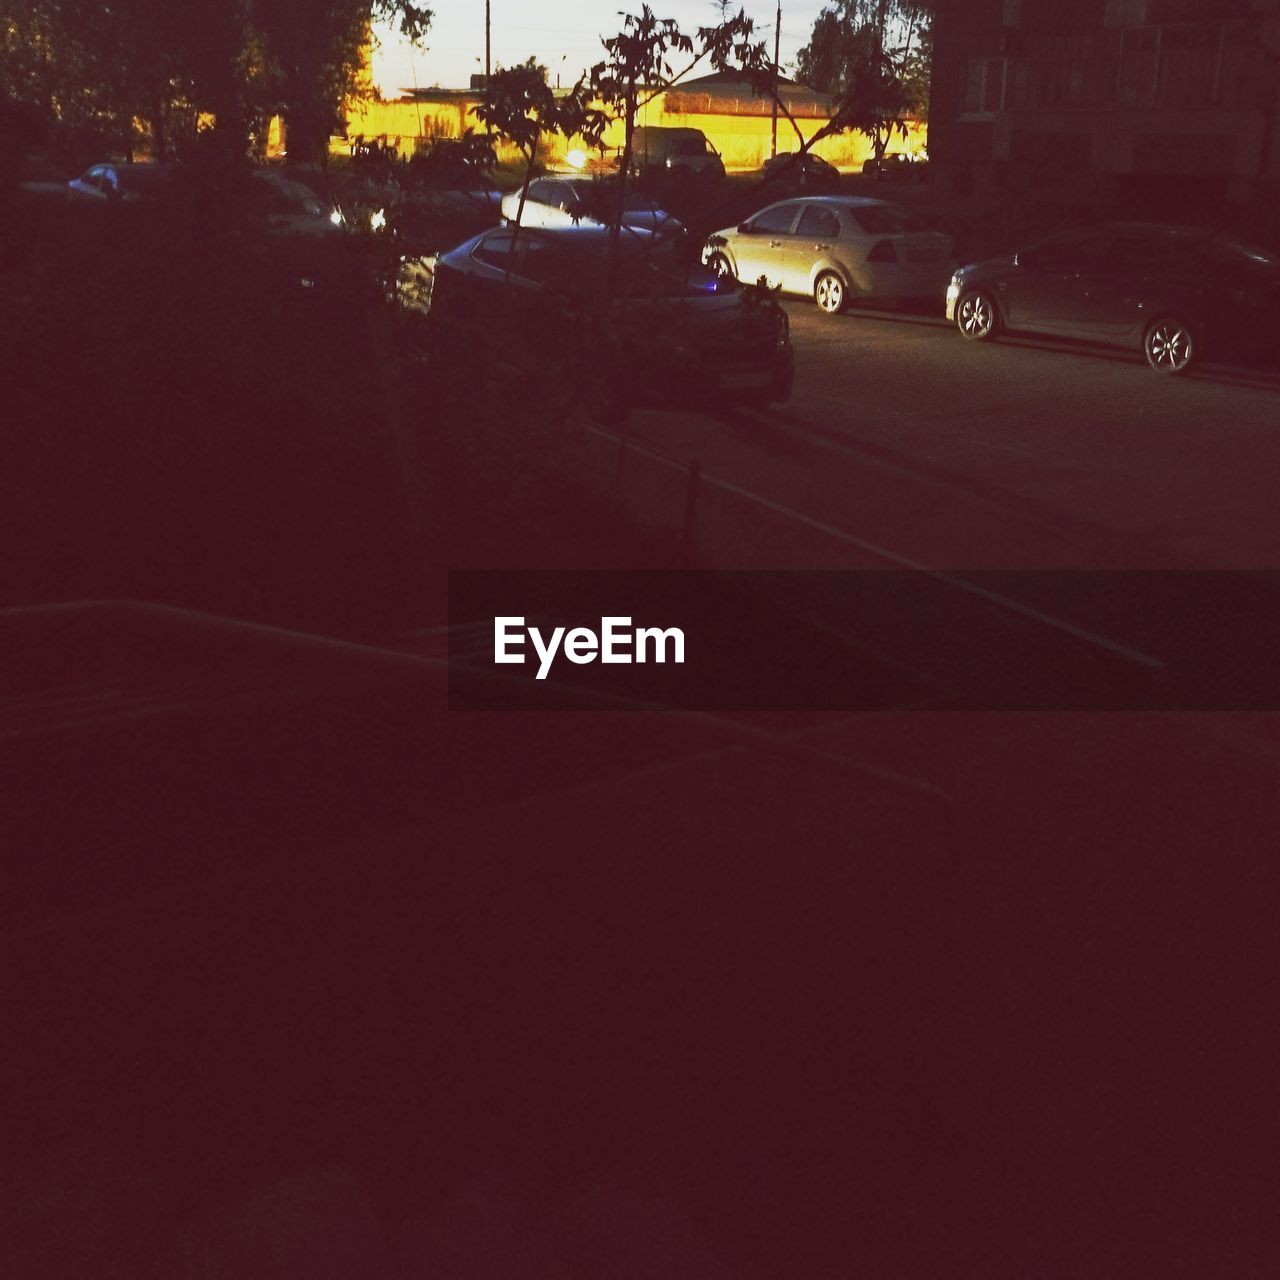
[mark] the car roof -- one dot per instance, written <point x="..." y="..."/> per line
<point x="858" y="202"/>
<point x="581" y="233"/>
<point x="1146" y="228"/>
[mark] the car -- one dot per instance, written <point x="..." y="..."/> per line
<point x="670" y="335"/>
<point x="291" y="207"/>
<point x="895" y="168"/>
<point x="660" y="149"/>
<point x="1171" y="292"/>
<point x="835" y="249"/>
<point x="805" y="170"/>
<point x="567" y="202"/>
<point x="119" y="183"/>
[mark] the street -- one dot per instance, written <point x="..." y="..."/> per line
<point x="1023" y="453"/>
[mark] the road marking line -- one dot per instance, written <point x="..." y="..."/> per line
<point x="905" y="562"/>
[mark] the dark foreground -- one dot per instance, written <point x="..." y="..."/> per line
<point x="305" y="974"/>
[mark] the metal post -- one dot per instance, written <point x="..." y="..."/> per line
<point x="488" y="70"/>
<point x="777" y="49"/>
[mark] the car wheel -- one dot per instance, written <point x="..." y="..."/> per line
<point x="718" y="264"/>
<point x="830" y="294"/>
<point x="1170" y="345"/>
<point x="977" y="317"/>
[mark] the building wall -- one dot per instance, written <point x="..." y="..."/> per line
<point x="744" y="140"/>
<point x="1120" y="87"/>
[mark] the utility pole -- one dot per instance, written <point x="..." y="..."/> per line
<point x="777" y="46"/>
<point x="488" y="70"/>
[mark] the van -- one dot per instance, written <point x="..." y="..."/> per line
<point x="660" y="149"/>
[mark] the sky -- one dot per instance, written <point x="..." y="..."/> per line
<point x="564" y="35"/>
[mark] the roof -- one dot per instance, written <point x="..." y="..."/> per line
<point x="728" y="93"/>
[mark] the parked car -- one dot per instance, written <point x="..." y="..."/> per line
<point x="119" y="183"/>
<point x="1171" y="292"/>
<point x="570" y="202"/>
<point x="835" y="249"/>
<point x="896" y="168"/>
<point x="805" y="170"/>
<point x="671" y="334"/>
<point x="291" y="207"/>
<point x="658" y="149"/>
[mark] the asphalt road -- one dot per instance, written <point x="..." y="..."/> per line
<point x="1025" y="453"/>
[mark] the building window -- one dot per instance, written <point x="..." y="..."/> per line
<point x="984" y="88"/>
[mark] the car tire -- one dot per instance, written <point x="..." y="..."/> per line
<point x="977" y="316"/>
<point x="830" y="293"/>
<point x="1171" y="345"/>
<point x="719" y="265"/>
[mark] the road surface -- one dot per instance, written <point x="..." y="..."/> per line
<point x="1025" y="453"/>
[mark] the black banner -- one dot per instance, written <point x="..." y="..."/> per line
<point x="865" y="641"/>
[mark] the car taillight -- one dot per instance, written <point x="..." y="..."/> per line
<point x="883" y="252"/>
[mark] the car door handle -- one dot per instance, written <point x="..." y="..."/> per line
<point x="822" y="246"/>
<point x="775" y="244"/>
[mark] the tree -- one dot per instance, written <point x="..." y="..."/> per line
<point x="519" y="105"/>
<point x="873" y="57"/>
<point x="94" y="69"/>
<point x="638" y="67"/>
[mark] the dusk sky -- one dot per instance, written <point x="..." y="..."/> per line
<point x="564" y="35"/>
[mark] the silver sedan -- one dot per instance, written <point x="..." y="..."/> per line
<point x="835" y="249"/>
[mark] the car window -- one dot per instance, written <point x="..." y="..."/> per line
<point x="537" y="260"/>
<point x="884" y="219"/>
<point x="285" y="196"/>
<point x="495" y="250"/>
<point x="564" y="197"/>
<point x="1072" y="249"/>
<point x="819" y="222"/>
<point x="1133" y="250"/>
<point x="540" y="191"/>
<point x="777" y="219"/>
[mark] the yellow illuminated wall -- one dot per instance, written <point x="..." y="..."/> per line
<point x="743" y="140"/>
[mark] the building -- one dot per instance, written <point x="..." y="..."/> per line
<point x="738" y="122"/>
<point x="1126" y="93"/>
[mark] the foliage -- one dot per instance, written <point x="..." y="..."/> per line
<point x="91" y="72"/>
<point x="874" y="58"/>
<point x="520" y="105"/>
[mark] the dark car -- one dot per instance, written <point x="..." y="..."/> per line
<point x="1174" y="293"/>
<point x="805" y="170"/>
<point x="662" y="331"/>
<point x="119" y="183"/>
<point x="895" y="168"/>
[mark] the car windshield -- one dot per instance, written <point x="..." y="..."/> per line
<point x="885" y="219"/>
<point x="1235" y="255"/>
<point x="288" y="196"/>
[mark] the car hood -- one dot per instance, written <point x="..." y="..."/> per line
<point x="990" y="266"/>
